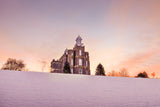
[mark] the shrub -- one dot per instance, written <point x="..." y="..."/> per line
<point x="142" y="75"/>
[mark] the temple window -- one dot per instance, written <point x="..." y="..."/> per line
<point x="80" y="71"/>
<point x="80" y="52"/>
<point x="80" y="62"/>
<point x="72" y="62"/>
<point x="71" y="71"/>
<point x="86" y="63"/>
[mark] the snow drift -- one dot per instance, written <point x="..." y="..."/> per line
<point x="32" y="89"/>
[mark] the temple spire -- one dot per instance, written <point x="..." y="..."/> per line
<point x="79" y="41"/>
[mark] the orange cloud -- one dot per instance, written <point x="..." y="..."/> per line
<point x="140" y="62"/>
<point x="139" y="59"/>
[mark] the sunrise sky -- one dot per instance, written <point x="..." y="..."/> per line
<point x="117" y="33"/>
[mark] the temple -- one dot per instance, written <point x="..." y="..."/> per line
<point x="77" y="58"/>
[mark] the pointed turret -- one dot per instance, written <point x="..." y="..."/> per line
<point x="66" y="51"/>
<point x="79" y="41"/>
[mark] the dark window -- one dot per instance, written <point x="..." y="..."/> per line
<point x="74" y="58"/>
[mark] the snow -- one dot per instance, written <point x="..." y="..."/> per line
<point x="34" y="89"/>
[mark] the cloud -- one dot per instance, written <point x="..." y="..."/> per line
<point x="140" y="62"/>
<point x="137" y="60"/>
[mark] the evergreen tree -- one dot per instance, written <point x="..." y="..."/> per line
<point x="66" y="68"/>
<point x="100" y="70"/>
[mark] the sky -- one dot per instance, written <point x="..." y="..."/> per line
<point x="116" y="33"/>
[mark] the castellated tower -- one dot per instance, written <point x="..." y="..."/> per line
<point x="77" y="58"/>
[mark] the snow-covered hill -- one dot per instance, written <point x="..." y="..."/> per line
<point x="33" y="89"/>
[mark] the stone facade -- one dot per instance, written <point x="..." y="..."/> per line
<point x="77" y="58"/>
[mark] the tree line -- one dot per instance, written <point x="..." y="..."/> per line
<point x="100" y="71"/>
<point x="18" y="65"/>
<point x="123" y="73"/>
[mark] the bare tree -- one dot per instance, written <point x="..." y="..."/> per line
<point x="153" y="74"/>
<point x="123" y="73"/>
<point x="13" y="64"/>
<point x="112" y="73"/>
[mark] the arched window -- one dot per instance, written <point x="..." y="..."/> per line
<point x="80" y="62"/>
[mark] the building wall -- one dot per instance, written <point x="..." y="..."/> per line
<point x="74" y="56"/>
<point x="84" y="56"/>
<point x="56" y="66"/>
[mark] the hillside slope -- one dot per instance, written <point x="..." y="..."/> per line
<point x="33" y="89"/>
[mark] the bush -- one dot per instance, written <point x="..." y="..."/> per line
<point x="142" y="75"/>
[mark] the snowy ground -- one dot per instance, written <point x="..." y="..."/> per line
<point x="32" y="89"/>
